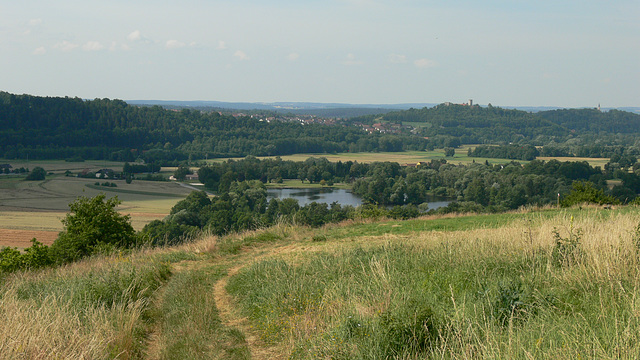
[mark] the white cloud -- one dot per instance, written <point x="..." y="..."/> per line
<point x="35" y="22"/>
<point x="174" y="44"/>
<point x="425" y="63"/>
<point x="65" y="46"/>
<point x="222" y="45"/>
<point x="293" y="56"/>
<point x="351" y="60"/>
<point x="134" y="35"/>
<point x="241" y="55"/>
<point x="92" y="46"/>
<point x="397" y="59"/>
<point x="40" y="51"/>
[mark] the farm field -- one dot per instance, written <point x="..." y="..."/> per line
<point x="31" y="209"/>
<point x="407" y="157"/>
<point x="413" y="157"/>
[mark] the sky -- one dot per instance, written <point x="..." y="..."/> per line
<point x="564" y="53"/>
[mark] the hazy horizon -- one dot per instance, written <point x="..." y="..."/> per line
<point x="526" y="53"/>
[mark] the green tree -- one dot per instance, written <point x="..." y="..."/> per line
<point x="449" y="152"/>
<point x="182" y="172"/>
<point x="37" y="173"/>
<point x="92" y="225"/>
<point x="585" y="192"/>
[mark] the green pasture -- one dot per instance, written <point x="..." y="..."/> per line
<point x="414" y="157"/>
<point x="407" y="157"/>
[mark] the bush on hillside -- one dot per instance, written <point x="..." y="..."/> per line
<point x="33" y="257"/>
<point x="92" y="225"/>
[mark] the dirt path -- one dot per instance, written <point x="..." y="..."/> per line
<point x="229" y="314"/>
<point x="224" y="302"/>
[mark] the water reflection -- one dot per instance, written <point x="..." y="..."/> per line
<point x="329" y="195"/>
<point x="319" y="195"/>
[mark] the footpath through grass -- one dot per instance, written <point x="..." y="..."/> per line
<point x="552" y="284"/>
<point x="189" y="323"/>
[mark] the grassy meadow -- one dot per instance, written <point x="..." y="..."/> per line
<point x="413" y="157"/>
<point x="533" y="284"/>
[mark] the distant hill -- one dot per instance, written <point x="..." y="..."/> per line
<point x="476" y="124"/>
<point x="592" y="120"/>
<point x="333" y="110"/>
<point x="329" y="109"/>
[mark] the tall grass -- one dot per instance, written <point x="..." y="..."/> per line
<point x="95" y="309"/>
<point x="493" y="292"/>
<point x="189" y="325"/>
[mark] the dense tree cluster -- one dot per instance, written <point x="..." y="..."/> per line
<point x="219" y="176"/>
<point x="243" y="207"/>
<point x="491" y="187"/>
<point x="514" y="152"/>
<point x="58" y="128"/>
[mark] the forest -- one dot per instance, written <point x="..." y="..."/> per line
<point x="72" y="128"/>
<point x="566" y="132"/>
<point x="59" y="128"/>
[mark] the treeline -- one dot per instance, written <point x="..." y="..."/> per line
<point x="495" y="188"/>
<point x="488" y="187"/>
<point x="387" y="189"/>
<point x="219" y="176"/>
<point x="514" y="152"/>
<point x="58" y="128"/>
<point x="594" y="121"/>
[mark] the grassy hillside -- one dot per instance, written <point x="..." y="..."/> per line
<point x="545" y="284"/>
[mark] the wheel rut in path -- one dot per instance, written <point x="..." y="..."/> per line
<point x="230" y="316"/>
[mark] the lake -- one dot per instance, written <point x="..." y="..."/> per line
<point x="319" y="195"/>
<point x="328" y="195"/>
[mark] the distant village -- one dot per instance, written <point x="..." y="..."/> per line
<point x="384" y="128"/>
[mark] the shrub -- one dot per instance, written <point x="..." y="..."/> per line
<point x="10" y="260"/>
<point x="319" y="238"/>
<point x="512" y="303"/>
<point x="93" y="223"/>
<point x="35" y="256"/>
<point x="585" y="192"/>
<point x="37" y="173"/>
<point x="408" y="328"/>
<point x="567" y="250"/>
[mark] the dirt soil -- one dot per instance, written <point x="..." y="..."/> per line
<point x="22" y="238"/>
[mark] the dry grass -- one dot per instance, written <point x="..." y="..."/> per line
<point x="54" y="329"/>
<point x="321" y="288"/>
<point x="88" y="310"/>
<point x="601" y="287"/>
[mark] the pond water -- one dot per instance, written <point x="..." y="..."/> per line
<point x="329" y="195"/>
<point x="319" y="195"/>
